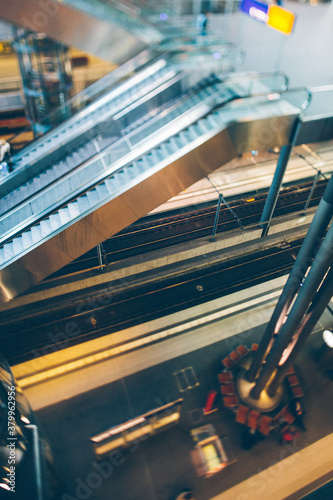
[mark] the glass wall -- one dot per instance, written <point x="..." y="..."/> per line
<point x="46" y="76"/>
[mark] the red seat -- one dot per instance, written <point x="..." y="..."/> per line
<point x="288" y="417"/>
<point x="228" y="388"/>
<point x="230" y="401"/>
<point x="241" y="415"/>
<point x="254" y="347"/>
<point x="293" y="380"/>
<point x="291" y="371"/>
<point x="276" y="418"/>
<point x="297" y="391"/>
<point x="234" y="356"/>
<point x="225" y="377"/>
<point x="279" y="415"/>
<point x="242" y="350"/>
<point x="253" y="419"/>
<point x="227" y="362"/>
<point x="265" y="424"/>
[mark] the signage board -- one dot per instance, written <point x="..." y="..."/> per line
<point x="272" y="15"/>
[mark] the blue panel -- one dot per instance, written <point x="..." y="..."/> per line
<point x="255" y="9"/>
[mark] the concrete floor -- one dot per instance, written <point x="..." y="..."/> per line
<point x="160" y="467"/>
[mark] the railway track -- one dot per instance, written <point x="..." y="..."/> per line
<point x="159" y="231"/>
<point x="36" y="331"/>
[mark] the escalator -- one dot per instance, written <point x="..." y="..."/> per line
<point x="111" y="30"/>
<point x="160" y="145"/>
<point x="91" y="123"/>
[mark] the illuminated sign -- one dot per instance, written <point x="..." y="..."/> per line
<point x="272" y="15"/>
<point x="280" y="19"/>
<point x="255" y="9"/>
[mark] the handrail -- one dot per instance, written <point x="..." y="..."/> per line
<point x="258" y="77"/>
<point x="286" y="93"/>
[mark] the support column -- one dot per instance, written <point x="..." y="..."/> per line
<point x="99" y="257"/>
<point x="275" y="188"/>
<point x="321" y="264"/>
<point x="307" y="252"/>
<point x="102" y="259"/>
<point x="306" y="206"/>
<point x="219" y="202"/>
<point x="318" y="306"/>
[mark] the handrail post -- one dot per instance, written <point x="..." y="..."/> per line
<point x="217" y="214"/>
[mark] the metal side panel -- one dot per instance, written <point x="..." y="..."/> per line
<point x="110" y="38"/>
<point x="315" y="130"/>
<point x="269" y="128"/>
<point x="317" y="120"/>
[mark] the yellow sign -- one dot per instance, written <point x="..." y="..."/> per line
<point x="280" y="19"/>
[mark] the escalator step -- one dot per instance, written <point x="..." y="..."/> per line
<point x="83" y="203"/>
<point x="64" y="215"/>
<point x="36" y="233"/>
<point x="156" y="156"/>
<point x="111" y="185"/>
<point x="93" y="197"/>
<point x="213" y="120"/>
<point x="3" y="256"/>
<point x="74" y="209"/>
<point x="45" y="227"/>
<point x="102" y="191"/>
<point x="26" y="240"/>
<point x="55" y="222"/>
<point x="9" y="250"/>
<point x="18" y="245"/>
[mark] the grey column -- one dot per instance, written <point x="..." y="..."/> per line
<point x="100" y="257"/>
<point x="275" y="188"/>
<point x="321" y="264"/>
<point x="318" y="306"/>
<point x="217" y="214"/>
<point x="304" y="258"/>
